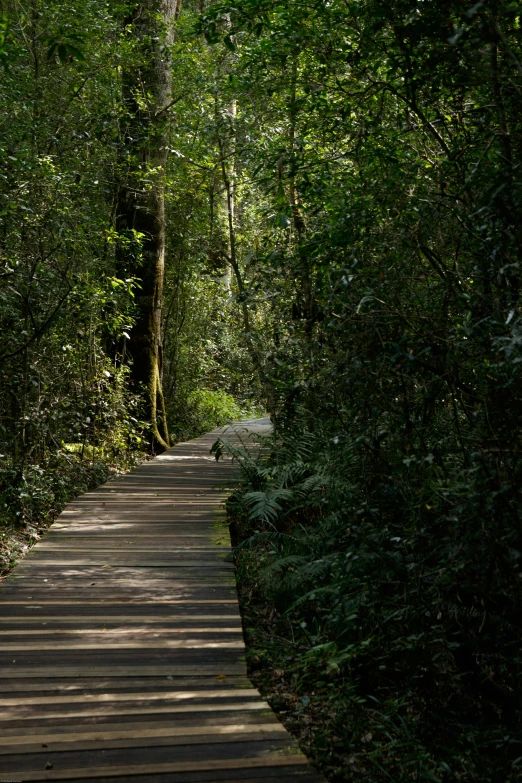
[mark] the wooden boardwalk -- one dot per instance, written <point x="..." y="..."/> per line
<point x="121" y="647"/>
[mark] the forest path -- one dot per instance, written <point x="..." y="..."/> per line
<point x="121" y="644"/>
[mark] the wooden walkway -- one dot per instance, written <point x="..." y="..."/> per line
<point x="121" y="647"/>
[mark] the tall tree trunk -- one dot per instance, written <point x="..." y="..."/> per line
<point x="229" y="194"/>
<point x="306" y="303"/>
<point x="228" y="173"/>
<point x="147" y="93"/>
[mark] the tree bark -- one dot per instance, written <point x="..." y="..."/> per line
<point x="147" y="94"/>
<point x="229" y="195"/>
<point x="306" y="306"/>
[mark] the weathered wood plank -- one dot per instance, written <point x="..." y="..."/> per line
<point x="276" y="761"/>
<point x="128" y="738"/>
<point x="207" y="721"/>
<point x="214" y="669"/>
<point x="172" y="696"/>
<point x="88" y="711"/>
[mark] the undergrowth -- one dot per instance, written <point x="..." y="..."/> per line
<point x="32" y="497"/>
<point x="204" y="410"/>
<point x="382" y="617"/>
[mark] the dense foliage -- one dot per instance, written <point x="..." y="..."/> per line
<point x="386" y="138"/>
<point x="343" y="234"/>
<point x="67" y="305"/>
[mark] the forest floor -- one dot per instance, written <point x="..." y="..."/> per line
<point x="272" y="658"/>
<point x="16" y="541"/>
<point x="307" y="707"/>
<point x="20" y="531"/>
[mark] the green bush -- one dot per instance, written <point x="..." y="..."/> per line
<point x="393" y="604"/>
<point x="206" y="409"/>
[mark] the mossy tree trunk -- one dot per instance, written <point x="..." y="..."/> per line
<point x="147" y="94"/>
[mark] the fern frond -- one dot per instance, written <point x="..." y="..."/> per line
<point x="275" y="538"/>
<point x="312" y="595"/>
<point x="266" y="506"/>
<point x="283" y="563"/>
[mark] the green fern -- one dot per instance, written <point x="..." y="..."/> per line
<point x="266" y="506"/>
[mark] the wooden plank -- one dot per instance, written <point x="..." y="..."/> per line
<point x="145" y="740"/>
<point x="126" y="652"/>
<point x="131" y="727"/>
<point x="112" y="709"/>
<point x="100" y="720"/>
<point x="176" y="735"/>
<point x="48" y="565"/>
<point x="201" y="570"/>
<point x="270" y="775"/>
<point x="135" y="697"/>
<point x="142" y="644"/>
<point x="152" y="768"/>
<point x="30" y="686"/>
<point x="189" y="603"/>
<point x="226" y="751"/>
<point x="126" y="584"/>
<point x="169" y="622"/>
<point x="213" y="669"/>
<point x="116" y="547"/>
<point x="58" y="633"/>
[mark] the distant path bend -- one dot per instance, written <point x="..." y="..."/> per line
<point x="121" y="650"/>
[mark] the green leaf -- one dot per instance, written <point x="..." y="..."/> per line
<point x="282" y="220"/>
<point x="229" y="43"/>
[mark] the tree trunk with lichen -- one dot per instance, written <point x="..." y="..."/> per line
<point x="140" y="218"/>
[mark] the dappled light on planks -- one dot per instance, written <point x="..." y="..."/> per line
<point x="121" y="642"/>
